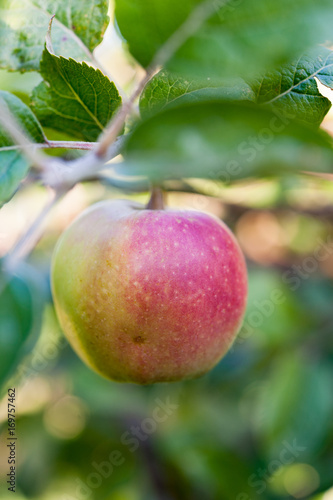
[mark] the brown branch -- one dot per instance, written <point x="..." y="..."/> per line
<point x="63" y="175"/>
<point x="326" y="176"/>
<point x="117" y="122"/>
<point x="85" y="146"/>
<point x="156" y="201"/>
<point x="197" y="17"/>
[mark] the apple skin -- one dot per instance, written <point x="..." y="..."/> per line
<point x="148" y="296"/>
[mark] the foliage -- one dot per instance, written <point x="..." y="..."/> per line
<point x="79" y="27"/>
<point x="256" y="142"/>
<point x="21" y="306"/>
<point x="239" y="38"/>
<point x="74" y="97"/>
<point x="229" y="108"/>
<point x="14" y="166"/>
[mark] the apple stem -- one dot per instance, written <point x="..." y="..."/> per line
<point x="156" y="201"/>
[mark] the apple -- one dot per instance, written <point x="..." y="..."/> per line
<point x="147" y="295"/>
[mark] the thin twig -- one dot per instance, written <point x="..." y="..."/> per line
<point x="65" y="174"/>
<point x="62" y="174"/>
<point x="58" y="172"/>
<point x="14" y="130"/>
<point x="27" y="242"/>
<point x="197" y="17"/>
<point x="53" y="171"/>
<point x="117" y="122"/>
<point x="83" y="145"/>
<point x="194" y="21"/>
<point x="86" y="146"/>
<point x="326" y="176"/>
<point x="156" y="201"/>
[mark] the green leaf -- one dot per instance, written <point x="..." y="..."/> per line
<point x="226" y="141"/>
<point x="147" y="24"/>
<point x="289" y="319"/>
<point x="14" y="166"/>
<point x="291" y="88"/>
<point x="24" y="116"/>
<point x="74" y="98"/>
<point x="239" y="39"/>
<point x="294" y="88"/>
<point x="13" y="169"/>
<point x="295" y="406"/>
<point x="165" y="90"/>
<point x="21" y="307"/>
<point x="77" y="29"/>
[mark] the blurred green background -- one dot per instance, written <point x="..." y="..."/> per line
<point x="259" y="426"/>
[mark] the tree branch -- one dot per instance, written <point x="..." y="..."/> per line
<point x="194" y="21"/>
<point x="86" y="146"/>
<point x="27" y="242"/>
<point x="197" y="17"/>
<point x="57" y="172"/>
<point x="117" y="122"/>
<point x="65" y="174"/>
<point x="328" y="177"/>
<point x="14" y="130"/>
<point x="62" y="175"/>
